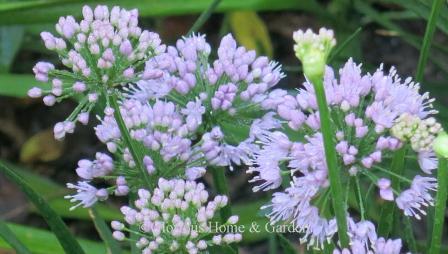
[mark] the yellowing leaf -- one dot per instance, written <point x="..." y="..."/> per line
<point x="41" y="147"/>
<point x="251" y="32"/>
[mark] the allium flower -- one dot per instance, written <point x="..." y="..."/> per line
<point x="176" y="217"/>
<point x="105" y="49"/>
<point x="371" y="121"/>
<point x="87" y="195"/>
<point x="162" y="130"/>
<point x="228" y="92"/>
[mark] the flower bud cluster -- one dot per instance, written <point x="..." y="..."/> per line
<point x="313" y="50"/>
<point x="421" y="133"/>
<point x="105" y="49"/>
<point x="175" y="218"/>
<point x="234" y="86"/>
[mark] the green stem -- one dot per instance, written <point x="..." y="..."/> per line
<point x="203" y="17"/>
<point x="408" y="234"/>
<point x="429" y="33"/>
<point x="136" y="155"/>
<point x="387" y="211"/>
<point x="339" y="205"/>
<point x="360" y="201"/>
<point x="439" y="214"/>
<point x="134" y="228"/>
<point x="272" y="244"/>
<point x="103" y="230"/>
<point x="221" y="186"/>
<point x="389" y="172"/>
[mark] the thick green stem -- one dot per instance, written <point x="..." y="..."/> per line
<point x="136" y="155"/>
<point x="429" y="33"/>
<point x="221" y="186"/>
<point x="439" y="215"/>
<point x="387" y="211"/>
<point x="328" y="133"/>
<point x="272" y="244"/>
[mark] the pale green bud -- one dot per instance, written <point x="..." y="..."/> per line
<point x="440" y="145"/>
<point x="313" y="50"/>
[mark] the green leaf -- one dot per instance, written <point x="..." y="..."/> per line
<point x="224" y="249"/>
<point x="251" y="31"/>
<point x="68" y="242"/>
<point x="205" y="15"/>
<point x="10" y="40"/>
<point x="11" y="239"/>
<point x="427" y="40"/>
<point x="31" y="12"/>
<point x="407" y="37"/>
<point x="103" y="229"/>
<point x="45" y="242"/>
<point x="17" y="85"/>
<point x="248" y="216"/>
<point x="423" y="9"/>
<point x="62" y="207"/>
<point x="286" y="245"/>
<point x="388" y="209"/>
<point x="335" y="53"/>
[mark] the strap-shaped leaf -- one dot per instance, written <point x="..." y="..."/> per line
<point x="104" y="231"/>
<point x="11" y="239"/>
<point x="68" y="242"/>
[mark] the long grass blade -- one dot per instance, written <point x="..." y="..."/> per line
<point x="205" y="15"/>
<point x="12" y="240"/>
<point x="45" y="242"/>
<point x="335" y="53"/>
<point x="37" y="12"/>
<point x="68" y="242"/>
<point x="388" y="210"/>
<point x="104" y="231"/>
<point x="427" y="40"/>
<point x="439" y="215"/>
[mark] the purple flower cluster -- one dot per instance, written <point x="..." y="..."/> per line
<point x="162" y="129"/>
<point x="372" y="118"/>
<point x="169" y="109"/>
<point x="365" y="240"/>
<point x="105" y="49"/>
<point x="230" y="90"/>
<point x="175" y="218"/>
<point x="180" y="111"/>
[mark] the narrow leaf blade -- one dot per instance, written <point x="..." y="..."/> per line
<point x="103" y="229"/>
<point x="68" y="242"/>
<point x="11" y="239"/>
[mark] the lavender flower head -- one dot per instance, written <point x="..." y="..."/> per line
<point x="374" y="115"/>
<point x="227" y="92"/>
<point x="105" y="49"/>
<point x="182" y="115"/>
<point x="175" y="218"/>
<point x="163" y="134"/>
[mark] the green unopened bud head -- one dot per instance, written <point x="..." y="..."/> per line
<point x="440" y="145"/>
<point x="314" y="64"/>
<point x="313" y="50"/>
